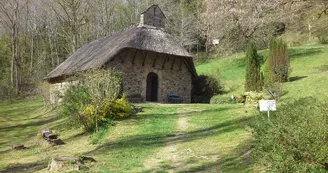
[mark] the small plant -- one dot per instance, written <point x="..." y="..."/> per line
<point x="44" y="89"/>
<point x="99" y="136"/>
<point x="252" y="98"/>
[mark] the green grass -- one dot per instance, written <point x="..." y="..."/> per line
<point x="215" y="134"/>
<point x="308" y="76"/>
<point x="164" y="137"/>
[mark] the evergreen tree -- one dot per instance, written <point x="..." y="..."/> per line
<point x="277" y="65"/>
<point x="253" y="77"/>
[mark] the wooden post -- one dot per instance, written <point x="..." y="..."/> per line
<point x="134" y="57"/>
<point x="173" y="63"/>
<point x="163" y="65"/>
<point x="154" y="62"/>
<point x="144" y="59"/>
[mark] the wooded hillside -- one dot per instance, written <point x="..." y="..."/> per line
<point x="37" y="35"/>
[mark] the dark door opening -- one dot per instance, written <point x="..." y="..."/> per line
<point x="152" y="87"/>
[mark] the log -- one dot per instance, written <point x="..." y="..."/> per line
<point x="48" y="134"/>
<point x="51" y="138"/>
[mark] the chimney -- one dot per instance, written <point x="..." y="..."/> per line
<point x="153" y="16"/>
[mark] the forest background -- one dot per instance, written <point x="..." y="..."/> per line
<point x="37" y="35"/>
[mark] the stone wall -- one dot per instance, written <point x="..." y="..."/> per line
<point x="57" y="91"/>
<point x="173" y="74"/>
<point x="153" y="17"/>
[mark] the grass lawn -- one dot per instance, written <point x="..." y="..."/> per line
<point x="164" y="137"/>
<point x="308" y="77"/>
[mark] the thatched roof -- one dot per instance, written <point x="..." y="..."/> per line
<point x="97" y="53"/>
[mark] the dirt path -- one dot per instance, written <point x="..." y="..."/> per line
<point x="169" y="157"/>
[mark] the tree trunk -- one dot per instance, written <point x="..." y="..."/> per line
<point x="97" y="118"/>
<point x="32" y="51"/>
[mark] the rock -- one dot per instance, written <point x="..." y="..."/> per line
<point x="65" y="164"/>
<point x="69" y="163"/>
<point x="136" y="109"/>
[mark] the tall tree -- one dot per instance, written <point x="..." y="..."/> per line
<point x="277" y="63"/>
<point x="253" y="77"/>
<point x="72" y="15"/>
<point x="10" y="18"/>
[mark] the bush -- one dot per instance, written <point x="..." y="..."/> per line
<point x="72" y="104"/>
<point x="252" y="98"/>
<point x="295" y="138"/>
<point x="94" y="100"/>
<point x="6" y="92"/>
<point x="44" y="89"/>
<point x="117" y="109"/>
<point x="204" y="88"/>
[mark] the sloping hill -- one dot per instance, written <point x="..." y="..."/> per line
<point x="164" y="137"/>
<point x="309" y="76"/>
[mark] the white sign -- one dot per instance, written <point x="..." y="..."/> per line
<point x="216" y="42"/>
<point x="267" y="105"/>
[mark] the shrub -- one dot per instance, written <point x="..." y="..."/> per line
<point x="94" y="99"/>
<point x="295" y="138"/>
<point x="252" y="98"/>
<point x="44" y="89"/>
<point x="204" y="87"/>
<point x="72" y="104"/>
<point x="117" y="109"/>
<point x="104" y="86"/>
<point x="253" y="80"/>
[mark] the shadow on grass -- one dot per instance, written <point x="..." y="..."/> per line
<point x="296" y="78"/>
<point x="72" y="138"/>
<point x="26" y="125"/>
<point x="160" y="139"/>
<point x="189" y="113"/>
<point x="29" y="167"/>
<point x="14" y="113"/>
<point x="323" y="68"/>
<point x="239" y="161"/>
<point x="299" y="53"/>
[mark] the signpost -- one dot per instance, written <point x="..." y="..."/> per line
<point x="267" y="105"/>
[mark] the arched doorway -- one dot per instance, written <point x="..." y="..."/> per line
<point x="152" y="87"/>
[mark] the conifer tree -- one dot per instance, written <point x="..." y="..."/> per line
<point x="253" y="77"/>
<point x="277" y="65"/>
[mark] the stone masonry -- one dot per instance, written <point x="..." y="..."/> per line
<point x="173" y="74"/>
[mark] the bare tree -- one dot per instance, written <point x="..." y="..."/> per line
<point x="71" y="15"/>
<point x="10" y="18"/>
